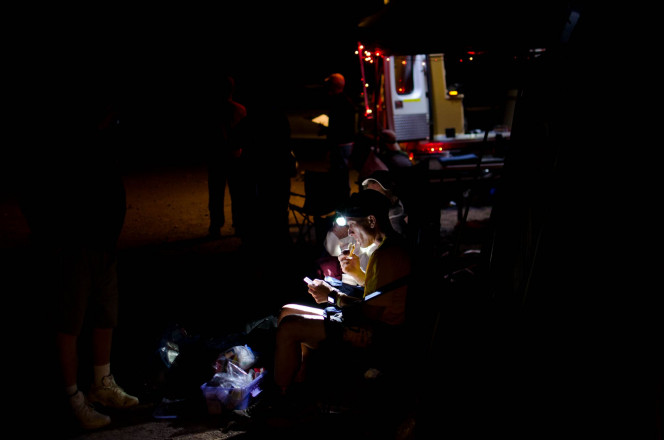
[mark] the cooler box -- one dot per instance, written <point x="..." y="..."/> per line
<point x="220" y="398"/>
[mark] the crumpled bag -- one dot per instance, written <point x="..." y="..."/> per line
<point x="241" y="356"/>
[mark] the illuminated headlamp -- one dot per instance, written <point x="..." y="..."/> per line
<point x="340" y="220"/>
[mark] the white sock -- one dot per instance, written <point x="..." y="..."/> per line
<point x="101" y="371"/>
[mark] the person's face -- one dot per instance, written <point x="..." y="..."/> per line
<point x="362" y="229"/>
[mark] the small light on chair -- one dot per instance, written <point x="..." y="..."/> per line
<point x="341" y="221"/>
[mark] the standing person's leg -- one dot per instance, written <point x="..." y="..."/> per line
<point x="74" y="285"/>
<point x="104" y="311"/>
<point x="216" y="194"/>
<point x="102" y="339"/>
<point x="104" y="389"/>
<point x="68" y="356"/>
<point x="242" y="191"/>
<point x="87" y="416"/>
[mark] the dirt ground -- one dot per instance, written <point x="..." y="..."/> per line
<point x="171" y="205"/>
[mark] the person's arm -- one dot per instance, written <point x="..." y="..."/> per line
<point x="340" y="299"/>
<point x="323" y="292"/>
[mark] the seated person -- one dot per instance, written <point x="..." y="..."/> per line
<point x="382" y="182"/>
<point x="337" y="238"/>
<point x="302" y="328"/>
<point x="336" y="242"/>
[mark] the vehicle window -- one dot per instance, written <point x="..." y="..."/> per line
<point x="403" y="69"/>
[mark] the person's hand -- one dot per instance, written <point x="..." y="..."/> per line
<point x="319" y="290"/>
<point x="350" y="264"/>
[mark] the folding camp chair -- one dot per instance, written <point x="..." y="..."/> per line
<point x="324" y="192"/>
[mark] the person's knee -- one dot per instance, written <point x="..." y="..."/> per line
<point x="295" y="327"/>
<point x="285" y="311"/>
<point x="287" y="324"/>
<point x="297" y="309"/>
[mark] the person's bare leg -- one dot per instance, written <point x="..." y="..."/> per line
<point x="291" y="309"/>
<point x="102" y="339"/>
<point x="293" y="331"/>
<point x="297" y="309"/>
<point x="301" y="375"/>
<point x="68" y="356"/>
<point x="105" y="390"/>
<point x="86" y="415"/>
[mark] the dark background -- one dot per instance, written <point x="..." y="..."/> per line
<point x="161" y="64"/>
<point x="588" y="333"/>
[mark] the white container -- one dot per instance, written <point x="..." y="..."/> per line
<point x="220" y="398"/>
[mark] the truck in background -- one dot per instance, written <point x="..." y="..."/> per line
<point x="410" y="95"/>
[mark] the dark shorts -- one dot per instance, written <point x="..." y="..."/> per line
<point x="334" y="327"/>
<point x="336" y="323"/>
<point x="87" y="289"/>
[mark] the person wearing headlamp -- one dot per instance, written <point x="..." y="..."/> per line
<point x="302" y="328"/>
<point x="338" y="241"/>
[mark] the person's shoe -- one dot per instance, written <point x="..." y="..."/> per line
<point x="85" y="413"/>
<point x="109" y="394"/>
